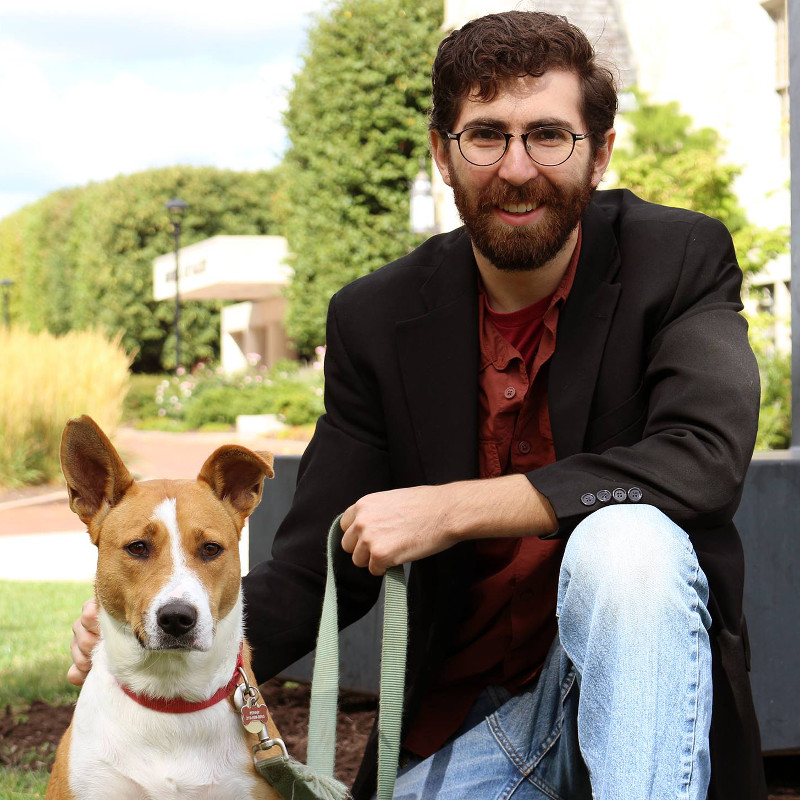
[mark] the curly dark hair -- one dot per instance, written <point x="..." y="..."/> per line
<point x="479" y="57"/>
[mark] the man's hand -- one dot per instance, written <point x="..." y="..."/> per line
<point x="86" y="633"/>
<point x="384" y="529"/>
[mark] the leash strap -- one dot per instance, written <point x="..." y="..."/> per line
<point x="325" y="686"/>
<point x="295" y="781"/>
<point x="325" y="680"/>
<point x="393" y="677"/>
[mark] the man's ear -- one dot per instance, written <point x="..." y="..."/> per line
<point x="603" y="157"/>
<point x="96" y="477"/>
<point x="440" y="148"/>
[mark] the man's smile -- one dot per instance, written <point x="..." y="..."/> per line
<point x="518" y="208"/>
<point x="518" y="213"/>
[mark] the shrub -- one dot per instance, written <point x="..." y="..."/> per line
<point x="140" y="400"/>
<point x="207" y="396"/>
<point x="222" y="404"/>
<point x="775" y="414"/>
<point x="46" y="381"/>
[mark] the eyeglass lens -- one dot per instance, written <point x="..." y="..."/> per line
<point x="546" y="146"/>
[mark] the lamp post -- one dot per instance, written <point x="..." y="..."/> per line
<point x="6" y="283"/>
<point x="176" y="208"/>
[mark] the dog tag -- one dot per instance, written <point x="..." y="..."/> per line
<point x="254" y="718"/>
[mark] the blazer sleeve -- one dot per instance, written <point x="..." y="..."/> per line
<point x="702" y="386"/>
<point x="345" y="460"/>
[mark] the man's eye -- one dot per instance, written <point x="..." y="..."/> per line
<point x="485" y="136"/>
<point x="552" y="136"/>
<point x="210" y="550"/>
<point x="138" y="549"/>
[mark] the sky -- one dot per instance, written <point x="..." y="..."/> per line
<point x="90" y="89"/>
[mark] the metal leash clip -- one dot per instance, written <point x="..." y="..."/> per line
<point x="254" y="717"/>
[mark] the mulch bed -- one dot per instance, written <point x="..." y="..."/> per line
<point x="28" y="739"/>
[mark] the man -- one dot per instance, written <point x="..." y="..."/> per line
<point x="550" y="412"/>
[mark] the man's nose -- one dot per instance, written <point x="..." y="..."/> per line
<point x="516" y="166"/>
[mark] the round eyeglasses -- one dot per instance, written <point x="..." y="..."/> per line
<point x="548" y="145"/>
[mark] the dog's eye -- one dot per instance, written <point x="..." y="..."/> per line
<point x="138" y="549"/>
<point x="210" y="550"/>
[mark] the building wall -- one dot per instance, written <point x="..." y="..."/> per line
<point x="254" y="328"/>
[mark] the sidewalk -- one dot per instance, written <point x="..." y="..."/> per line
<point x="44" y="540"/>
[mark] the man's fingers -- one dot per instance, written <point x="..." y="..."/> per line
<point x="82" y="663"/>
<point x="350" y="538"/>
<point x="75" y="676"/>
<point x="347" y="518"/>
<point x="89" y="616"/>
<point x="360" y="553"/>
<point x="80" y="657"/>
<point x="376" y="569"/>
<point x="85" y="635"/>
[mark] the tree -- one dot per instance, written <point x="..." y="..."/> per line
<point x="357" y="129"/>
<point x="83" y="257"/>
<point x="671" y="163"/>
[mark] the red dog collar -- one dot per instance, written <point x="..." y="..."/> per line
<point x="177" y="705"/>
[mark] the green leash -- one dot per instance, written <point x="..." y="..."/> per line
<point x="325" y="686"/>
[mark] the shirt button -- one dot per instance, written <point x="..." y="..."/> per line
<point x="510" y="392"/>
<point x="620" y="495"/>
<point x="604" y="495"/>
<point x="588" y="499"/>
<point x="524" y="447"/>
<point x="635" y="494"/>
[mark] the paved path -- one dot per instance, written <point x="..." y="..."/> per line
<point x="44" y="540"/>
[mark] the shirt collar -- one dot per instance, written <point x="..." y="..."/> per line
<point x="494" y="348"/>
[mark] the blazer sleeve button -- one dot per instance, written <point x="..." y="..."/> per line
<point x="635" y="494"/>
<point x="588" y="499"/>
<point x="620" y="495"/>
<point x="604" y="495"/>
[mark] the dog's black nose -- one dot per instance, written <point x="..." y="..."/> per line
<point x="176" y="618"/>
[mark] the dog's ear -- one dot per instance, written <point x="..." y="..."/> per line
<point x="96" y="477"/>
<point x="236" y="475"/>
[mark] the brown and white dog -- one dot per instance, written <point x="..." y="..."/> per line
<point x="155" y="718"/>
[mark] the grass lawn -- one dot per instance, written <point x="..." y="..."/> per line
<point x="35" y="631"/>
<point x="17" y="784"/>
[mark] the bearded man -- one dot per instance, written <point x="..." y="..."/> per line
<point x="550" y="412"/>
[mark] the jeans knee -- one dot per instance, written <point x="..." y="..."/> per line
<point x="629" y="557"/>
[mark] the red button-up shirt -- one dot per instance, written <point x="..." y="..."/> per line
<point x="509" y="621"/>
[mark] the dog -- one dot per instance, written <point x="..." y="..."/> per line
<point x="155" y="717"/>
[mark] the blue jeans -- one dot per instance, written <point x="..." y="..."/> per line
<point x="622" y="708"/>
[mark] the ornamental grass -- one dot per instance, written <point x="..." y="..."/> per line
<point x="44" y="381"/>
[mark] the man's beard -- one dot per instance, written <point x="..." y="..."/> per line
<point x="528" y="247"/>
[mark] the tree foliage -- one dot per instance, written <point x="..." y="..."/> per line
<point x="672" y="163"/>
<point x="357" y="127"/>
<point x="83" y="257"/>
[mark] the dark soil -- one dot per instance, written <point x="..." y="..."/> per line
<point x="28" y="739"/>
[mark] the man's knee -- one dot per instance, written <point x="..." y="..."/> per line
<point x="628" y="557"/>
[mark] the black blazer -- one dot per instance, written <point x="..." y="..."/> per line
<point x="653" y="385"/>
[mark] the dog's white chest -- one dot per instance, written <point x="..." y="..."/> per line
<point x="122" y="750"/>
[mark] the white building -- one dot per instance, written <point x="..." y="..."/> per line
<point x="251" y="269"/>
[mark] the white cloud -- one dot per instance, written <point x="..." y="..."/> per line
<point x="234" y="15"/>
<point x="67" y="121"/>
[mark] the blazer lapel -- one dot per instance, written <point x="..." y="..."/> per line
<point x="438" y="354"/>
<point x="583" y="327"/>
